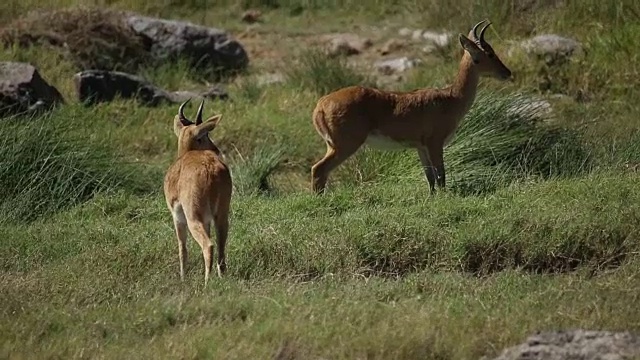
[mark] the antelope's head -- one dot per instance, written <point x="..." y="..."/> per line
<point x="194" y="136"/>
<point x="482" y="54"/>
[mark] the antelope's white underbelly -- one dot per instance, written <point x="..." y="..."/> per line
<point x="382" y="142"/>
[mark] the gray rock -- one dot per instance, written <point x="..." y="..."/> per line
<point x="214" y="92"/>
<point x="388" y="67"/>
<point x="251" y="16"/>
<point x="94" y="86"/>
<point x="437" y="39"/>
<point x="270" y="79"/>
<point x="23" y="90"/>
<point x="204" y="47"/>
<point x="417" y="34"/>
<point x="440" y="39"/>
<point x="405" y="32"/>
<point x="575" y="345"/>
<point x="347" y="44"/>
<point x="551" y="46"/>
<point x="392" y="45"/>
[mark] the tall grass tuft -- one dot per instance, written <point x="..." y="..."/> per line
<point x="250" y="90"/>
<point x="47" y="165"/>
<point x="250" y="174"/>
<point x="317" y="71"/>
<point x="508" y="137"/>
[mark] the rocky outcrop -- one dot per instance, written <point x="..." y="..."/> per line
<point x="204" y="47"/>
<point x="576" y="345"/>
<point x="24" y="91"/>
<point x="104" y="39"/>
<point x="551" y="48"/>
<point x="94" y="86"/>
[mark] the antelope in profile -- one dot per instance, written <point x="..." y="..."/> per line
<point x="197" y="188"/>
<point x="424" y="119"/>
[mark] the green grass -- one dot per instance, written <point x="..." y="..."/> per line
<point x="538" y="231"/>
<point x="251" y="173"/>
<point x="390" y="275"/>
<point x="48" y="165"/>
<point x="318" y="72"/>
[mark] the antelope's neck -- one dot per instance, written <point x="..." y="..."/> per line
<point x="466" y="83"/>
<point x="182" y="151"/>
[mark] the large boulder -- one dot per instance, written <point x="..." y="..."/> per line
<point x="576" y="344"/>
<point x="551" y="48"/>
<point x="91" y="38"/>
<point x="94" y="86"/>
<point x="24" y="91"/>
<point x="104" y="39"/>
<point x="205" y="47"/>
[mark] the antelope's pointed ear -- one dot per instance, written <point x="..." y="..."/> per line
<point x="177" y="125"/>
<point x="208" y="126"/>
<point x="470" y="47"/>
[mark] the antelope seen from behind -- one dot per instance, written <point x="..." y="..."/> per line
<point x="197" y="188"/>
<point x="424" y="119"/>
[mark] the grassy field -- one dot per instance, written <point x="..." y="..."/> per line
<point x="540" y="229"/>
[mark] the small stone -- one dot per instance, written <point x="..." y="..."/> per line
<point x="388" y="67"/>
<point x="416" y="35"/>
<point x="438" y="39"/>
<point x="347" y="45"/>
<point x="268" y="79"/>
<point x="251" y="16"/>
<point x="391" y="46"/>
<point x="404" y="32"/>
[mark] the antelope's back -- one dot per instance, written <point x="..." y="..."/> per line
<point x="198" y="175"/>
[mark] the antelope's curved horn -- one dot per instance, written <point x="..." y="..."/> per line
<point x="199" y="113"/>
<point x="475" y="29"/>
<point x="482" y="32"/>
<point x="183" y="119"/>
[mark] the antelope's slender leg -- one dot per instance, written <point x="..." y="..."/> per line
<point x="429" y="170"/>
<point x="437" y="161"/>
<point x="221" y="224"/>
<point x="181" y="233"/>
<point x="180" y="227"/>
<point x="200" y="231"/>
<point x="331" y="160"/>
